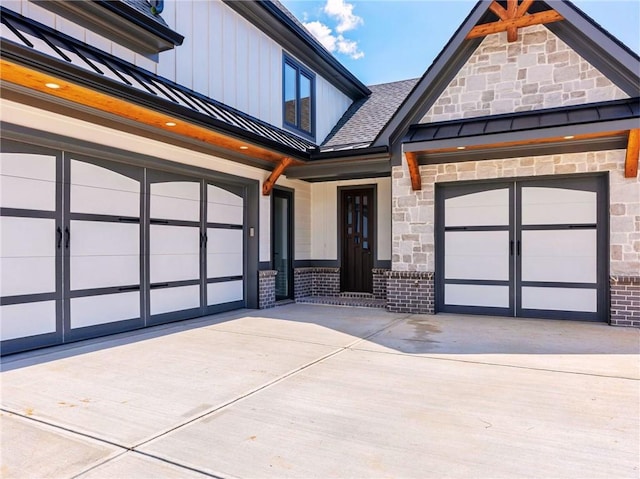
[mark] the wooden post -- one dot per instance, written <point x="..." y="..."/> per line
<point x="633" y="151"/>
<point x="267" y="186"/>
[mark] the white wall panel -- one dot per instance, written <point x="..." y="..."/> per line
<point x="200" y="18"/>
<point x="219" y="293"/>
<point x="557" y="206"/>
<point x="106" y="308"/>
<point x="244" y="29"/>
<point x="559" y="256"/>
<point x="192" y="41"/>
<point x="476" y="255"/>
<point x="166" y="300"/>
<point x="28" y="319"/>
<point x="229" y="72"/>
<point x="486" y="208"/>
<point x="560" y="299"/>
<point x="28" y="181"/>
<point x="476" y="295"/>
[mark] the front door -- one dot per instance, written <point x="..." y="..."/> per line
<point x="282" y="243"/>
<point x="357" y="240"/>
<point x="530" y="248"/>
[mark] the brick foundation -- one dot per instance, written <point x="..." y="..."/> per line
<point x="410" y="292"/>
<point x="267" y="289"/>
<point x="625" y="301"/>
<point x="316" y="282"/>
<point x="380" y="283"/>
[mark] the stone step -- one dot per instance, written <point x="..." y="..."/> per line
<point x="344" y="301"/>
<point x="347" y="294"/>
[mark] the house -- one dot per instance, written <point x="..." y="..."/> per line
<point x="168" y="160"/>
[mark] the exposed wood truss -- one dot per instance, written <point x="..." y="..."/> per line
<point x="414" y="171"/>
<point x="633" y="152"/>
<point x="513" y="17"/>
<point x="35" y="80"/>
<point x="267" y="186"/>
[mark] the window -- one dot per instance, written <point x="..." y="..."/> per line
<point x="299" y="102"/>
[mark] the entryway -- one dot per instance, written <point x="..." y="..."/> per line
<point x="528" y="248"/>
<point x="357" y="216"/>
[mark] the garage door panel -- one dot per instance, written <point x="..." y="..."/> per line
<point x="102" y="309"/>
<point x="27" y="319"/>
<point x="546" y="206"/>
<point x="224" y="264"/>
<point x="560" y="299"/>
<point x="224" y="240"/>
<point x="92" y="238"/>
<point x="559" y="256"/>
<point x="223" y="206"/>
<point x="485" y="208"/>
<point x="175" y="200"/>
<point x="166" y="239"/>
<point x="27" y="275"/>
<point x="89" y="272"/>
<point x="26" y="193"/>
<point x="224" y="292"/>
<point x="477" y="255"/>
<point x="476" y="295"/>
<point x="174" y="267"/>
<point x="166" y="300"/>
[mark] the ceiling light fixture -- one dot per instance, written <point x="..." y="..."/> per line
<point x="170" y="123"/>
<point x="244" y="147"/>
<point x="53" y="86"/>
<point x="462" y="148"/>
<point x="569" y="137"/>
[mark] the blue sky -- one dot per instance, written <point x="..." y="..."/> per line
<point x="387" y="40"/>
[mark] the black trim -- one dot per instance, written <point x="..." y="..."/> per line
<point x="316" y="263"/>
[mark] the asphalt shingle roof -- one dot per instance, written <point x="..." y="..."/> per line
<point x="365" y="118"/>
<point x="144" y="7"/>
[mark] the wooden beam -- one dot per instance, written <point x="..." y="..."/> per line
<point x="35" y="80"/>
<point x="414" y="171"/>
<point x="633" y="152"/>
<point x="512" y="10"/>
<point x="541" y="18"/>
<point x="499" y="10"/>
<point x="268" y="184"/>
<point x="524" y="7"/>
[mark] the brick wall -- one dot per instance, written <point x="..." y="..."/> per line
<point x="380" y="283"/>
<point x="625" y="300"/>
<point x="267" y="289"/>
<point x="316" y="282"/>
<point x="537" y="71"/>
<point x="410" y="292"/>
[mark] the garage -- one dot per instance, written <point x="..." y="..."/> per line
<point x="534" y="248"/>
<point x="93" y="247"/>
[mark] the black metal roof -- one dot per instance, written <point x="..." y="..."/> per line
<point x="530" y="120"/>
<point x="38" y="46"/>
<point x="364" y="119"/>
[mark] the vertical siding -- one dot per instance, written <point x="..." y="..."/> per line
<point x="223" y="56"/>
<point x="324" y="217"/>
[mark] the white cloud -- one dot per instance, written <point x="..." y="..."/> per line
<point x="343" y="12"/>
<point x="349" y="47"/>
<point x="323" y="34"/>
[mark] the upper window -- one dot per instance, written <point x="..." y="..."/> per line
<point x="299" y="97"/>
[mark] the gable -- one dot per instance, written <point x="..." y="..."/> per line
<point x="537" y="71"/>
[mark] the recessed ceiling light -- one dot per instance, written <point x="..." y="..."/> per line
<point x="244" y="147"/>
<point x="462" y="148"/>
<point x="170" y="123"/>
<point x="53" y="86"/>
<point x="569" y="137"/>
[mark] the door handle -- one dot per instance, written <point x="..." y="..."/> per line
<point x="59" y="233"/>
<point x="67" y="235"/>
<point x="511" y="248"/>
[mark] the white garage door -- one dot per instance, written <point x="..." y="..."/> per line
<point x="89" y="247"/>
<point x="527" y="248"/>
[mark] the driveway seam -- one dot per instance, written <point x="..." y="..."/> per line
<point x="496" y="364"/>
<point x="268" y="384"/>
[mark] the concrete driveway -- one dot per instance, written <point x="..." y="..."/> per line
<point x="320" y="391"/>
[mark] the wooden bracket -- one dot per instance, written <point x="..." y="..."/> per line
<point x="512" y="18"/>
<point x="633" y="152"/>
<point x="414" y="171"/>
<point x="268" y="184"/>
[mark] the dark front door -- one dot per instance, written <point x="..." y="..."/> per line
<point x="357" y="240"/>
<point x="282" y="243"/>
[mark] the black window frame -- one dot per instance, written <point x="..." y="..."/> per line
<point x="300" y="70"/>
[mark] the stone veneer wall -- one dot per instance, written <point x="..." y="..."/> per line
<point x="625" y="301"/>
<point x="316" y="282"/>
<point x="267" y="289"/>
<point x="413" y="211"/>
<point x="537" y="71"/>
<point x="410" y="292"/>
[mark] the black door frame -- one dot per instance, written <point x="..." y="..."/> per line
<point x="597" y="182"/>
<point x="288" y="194"/>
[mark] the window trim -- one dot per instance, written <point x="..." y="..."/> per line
<point x="300" y="70"/>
